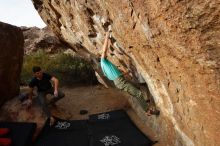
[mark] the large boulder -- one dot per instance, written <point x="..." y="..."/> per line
<point x="11" y="58"/>
<point x="173" y="45"/>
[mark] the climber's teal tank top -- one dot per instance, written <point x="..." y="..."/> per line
<point x="109" y="69"/>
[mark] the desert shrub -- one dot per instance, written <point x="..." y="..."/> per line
<point x="68" y="69"/>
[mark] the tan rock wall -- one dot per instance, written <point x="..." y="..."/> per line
<point x="173" y="44"/>
<point x="11" y="58"/>
<point x="41" y="39"/>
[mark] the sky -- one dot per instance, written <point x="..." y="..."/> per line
<point x="20" y="13"/>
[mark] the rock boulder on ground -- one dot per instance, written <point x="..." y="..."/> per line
<point x="11" y="58"/>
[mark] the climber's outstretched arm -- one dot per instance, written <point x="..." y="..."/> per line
<point x="105" y="46"/>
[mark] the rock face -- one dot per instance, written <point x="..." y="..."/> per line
<point x="36" y="38"/>
<point x="172" y="44"/>
<point x="11" y="58"/>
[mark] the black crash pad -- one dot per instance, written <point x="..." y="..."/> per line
<point x="20" y="133"/>
<point x="105" y="129"/>
<point x="115" y="129"/>
<point x="64" y="133"/>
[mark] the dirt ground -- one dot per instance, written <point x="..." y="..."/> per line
<point x="94" y="99"/>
